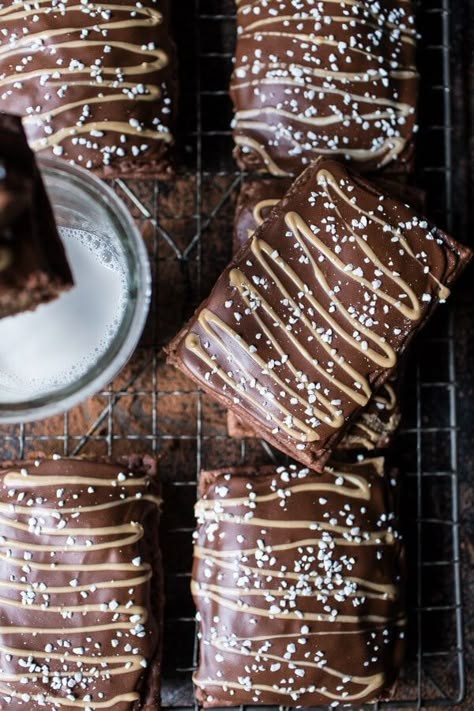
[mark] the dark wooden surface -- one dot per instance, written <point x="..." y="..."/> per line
<point x="109" y="422"/>
<point x="464" y="146"/>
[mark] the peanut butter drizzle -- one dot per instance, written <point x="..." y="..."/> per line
<point x="405" y="109"/>
<point x="207" y="320"/>
<point x="256" y="584"/>
<point x="406" y="34"/>
<point x="238" y="279"/>
<point x="15" y="508"/>
<point x="153" y="60"/>
<point x="193" y="343"/>
<point x="366" y="588"/>
<point x="248" y="142"/>
<point x="390" y="400"/>
<point x="101" y="531"/>
<point x="387" y="152"/>
<point x="255" y="131"/>
<point x="388" y="592"/>
<point x="62" y="701"/>
<point x="381" y="354"/>
<point x="202" y="591"/>
<point x="346" y="325"/>
<point x="370" y="424"/>
<point x="358" y="490"/>
<point x="95" y="617"/>
<point x="244" y="115"/>
<point x="372" y="539"/>
<point x="85" y="567"/>
<point x="260" y="207"/>
<point x="17" y="478"/>
<point x="369" y="682"/>
<point x="67" y="656"/>
<point x="103" y="585"/>
<point x="302" y="231"/>
<point x="325" y="178"/>
<point x="117" y="126"/>
<point x="83" y="609"/>
<point x="153" y="95"/>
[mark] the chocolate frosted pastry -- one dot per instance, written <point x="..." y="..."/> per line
<point x="373" y="428"/>
<point x="378" y="421"/>
<point x="324" y="78"/>
<point x="33" y="264"/>
<point x="258" y="197"/>
<point x="397" y="187"/>
<point x="256" y="200"/>
<point x="311" y="316"/>
<point x="298" y="581"/>
<point x="94" y="81"/>
<point x="81" y="585"/>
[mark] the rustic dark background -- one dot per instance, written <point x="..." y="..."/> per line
<point x="152" y="408"/>
<point x="464" y="144"/>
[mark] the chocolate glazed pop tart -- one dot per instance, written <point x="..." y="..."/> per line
<point x="94" y="81"/>
<point x="313" y="78"/>
<point x="311" y="316"/>
<point x="373" y="428"/>
<point x="258" y="197"/>
<point x="81" y="581"/>
<point x="33" y="264"/>
<point x="298" y="579"/>
<point x="377" y="423"/>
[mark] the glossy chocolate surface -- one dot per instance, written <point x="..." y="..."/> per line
<point x="312" y="315"/>
<point x="298" y="580"/>
<point x="377" y="423"/>
<point x="81" y="584"/>
<point x="94" y="82"/>
<point x="313" y="79"/>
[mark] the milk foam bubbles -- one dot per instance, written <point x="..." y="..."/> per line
<point x="47" y="349"/>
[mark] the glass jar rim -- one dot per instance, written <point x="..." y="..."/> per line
<point x="124" y="343"/>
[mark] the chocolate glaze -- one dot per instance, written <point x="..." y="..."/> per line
<point x="377" y="423"/>
<point x="98" y="82"/>
<point x="398" y="187"/>
<point x="298" y="580"/>
<point x="33" y="264"/>
<point x="257" y="198"/>
<point x="374" y="428"/>
<point x="80" y="606"/>
<point x="313" y="79"/>
<point x="311" y="316"/>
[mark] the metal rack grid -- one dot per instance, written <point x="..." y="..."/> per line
<point x="149" y="407"/>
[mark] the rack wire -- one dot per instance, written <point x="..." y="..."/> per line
<point x="150" y="407"/>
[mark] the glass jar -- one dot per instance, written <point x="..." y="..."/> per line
<point x="65" y="351"/>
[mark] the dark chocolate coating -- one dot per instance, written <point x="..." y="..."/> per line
<point x="257" y="197"/>
<point x="377" y="423"/>
<point x="298" y="579"/>
<point x="311" y="316"/>
<point x="256" y="200"/>
<point x="398" y="187"/>
<point x="374" y="428"/>
<point x="81" y="584"/>
<point x="98" y="85"/>
<point x="312" y="79"/>
<point x="33" y="264"/>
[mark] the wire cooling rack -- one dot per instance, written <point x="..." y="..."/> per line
<point x="151" y="407"/>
